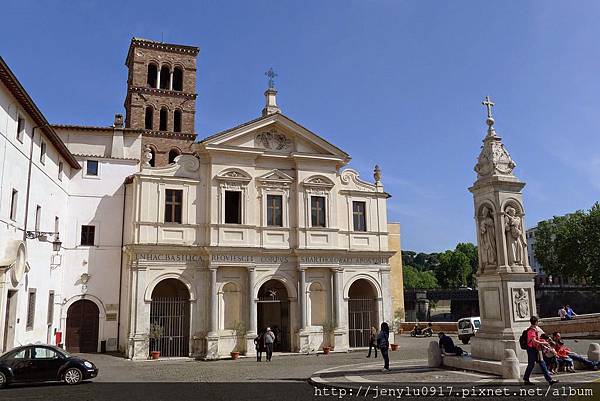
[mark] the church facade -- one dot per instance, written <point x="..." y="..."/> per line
<point x="199" y="245"/>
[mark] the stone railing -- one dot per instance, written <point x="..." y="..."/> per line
<point x="580" y="326"/>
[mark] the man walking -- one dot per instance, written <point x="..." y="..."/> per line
<point x="269" y="338"/>
<point x="533" y="353"/>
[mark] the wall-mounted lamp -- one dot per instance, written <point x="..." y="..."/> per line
<point x="41" y="235"/>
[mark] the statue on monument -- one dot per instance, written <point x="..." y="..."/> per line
<point x="488" y="238"/>
<point x="514" y="236"/>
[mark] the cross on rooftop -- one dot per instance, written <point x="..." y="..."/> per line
<point x="488" y="104"/>
<point x="271" y="75"/>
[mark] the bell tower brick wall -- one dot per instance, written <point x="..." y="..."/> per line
<point x="162" y="93"/>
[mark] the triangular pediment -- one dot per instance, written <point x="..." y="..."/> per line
<point x="275" y="176"/>
<point x="275" y="134"/>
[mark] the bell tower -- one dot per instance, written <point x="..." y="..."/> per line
<point x="161" y="97"/>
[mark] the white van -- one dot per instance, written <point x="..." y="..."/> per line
<point x="467" y="327"/>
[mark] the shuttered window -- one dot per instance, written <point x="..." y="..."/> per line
<point x="31" y="309"/>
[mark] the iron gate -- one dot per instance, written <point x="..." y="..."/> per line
<point x="172" y="314"/>
<point x="362" y="315"/>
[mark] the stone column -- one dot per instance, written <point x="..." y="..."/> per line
<point x="252" y="329"/>
<point x="171" y="80"/>
<point x="214" y="318"/>
<point x="340" y="340"/>
<point x="504" y="277"/>
<point x="302" y="299"/>
<point x="158" y="78"/>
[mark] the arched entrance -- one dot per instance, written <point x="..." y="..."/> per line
<point x="82" y="326"/>
<point x="273" y="310"/>
<point x="362" y="312"/>
<point x="170" y="311"/>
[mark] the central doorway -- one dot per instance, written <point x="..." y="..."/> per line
<point x="82" y="326"/>
<point x="273" y="310"/>
<point x="362" y="312"/>
<point x="170" y="310"/>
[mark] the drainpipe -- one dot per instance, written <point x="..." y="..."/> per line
<point x="29" y="181"/>
<point x="121" y="267"/>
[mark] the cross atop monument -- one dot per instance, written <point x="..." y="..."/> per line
<point x="271" y="75"/>
<point x="488" y="104"/>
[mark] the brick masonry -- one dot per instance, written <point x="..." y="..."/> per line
<point x="141" y="96"/>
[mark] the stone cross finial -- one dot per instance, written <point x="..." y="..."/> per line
<point x="488" y="104"/>
<point x="271" y="75"/>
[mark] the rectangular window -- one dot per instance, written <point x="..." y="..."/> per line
<point x="317" y="211"/>
<point x="38" y="217"/>
<point x="173" y="202"/>
<point x="91" y="167"/>
<point x="56" y="224"/>
<point x="43" y="153"/>
<point x="88" y="234"/>
<point x="274" y="210"/>
<point x="20" y="128"/>
<point x="50" y="308"/>
<point x="60" y="171"/>
<point x="233" y="207"/>
<point x="30" y="309"/>
<point x="359" y="216"/>
<point x="13" y="204"/>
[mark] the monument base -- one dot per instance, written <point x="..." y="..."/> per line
<point x="492" y="345"/>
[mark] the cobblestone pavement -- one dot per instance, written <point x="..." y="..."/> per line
<point x="282" y="368"/>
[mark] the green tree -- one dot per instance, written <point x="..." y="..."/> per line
<point x="413" y="278"/>
<point x="453" y="270"/>
<point x="569" y="246"/>
<point x="470" y="250"/>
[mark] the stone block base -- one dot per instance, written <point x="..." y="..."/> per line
<point x="492" y="347"/>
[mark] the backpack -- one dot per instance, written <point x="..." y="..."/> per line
<point x="523" y="339"/>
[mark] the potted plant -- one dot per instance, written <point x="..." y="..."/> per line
<point x="398" y="319"/>
<point x="155" y="333"/>
<point x="240" y="334"/>
<point x="396" y="328"/>
<point x="328" y="329"/>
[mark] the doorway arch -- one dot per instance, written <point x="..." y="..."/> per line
<point x="362" y="312"/>
<point x="273" y="310"/>
<point x="170" y="312"/>
<point x="83" y="320"/>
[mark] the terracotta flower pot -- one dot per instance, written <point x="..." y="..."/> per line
<point x="395" y="347"/>
<point x="155" y="354"/>
<point x="235" y="355"/>
<point x="326" y="350"/>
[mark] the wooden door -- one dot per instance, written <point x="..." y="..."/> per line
<point x="82" y="327"/>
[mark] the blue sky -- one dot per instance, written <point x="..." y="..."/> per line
<point x="397" y="83"/>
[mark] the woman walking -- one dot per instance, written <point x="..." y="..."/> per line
<point x="383" y="342"/>
<point x="373" y="342"/>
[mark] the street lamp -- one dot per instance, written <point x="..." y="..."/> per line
<point x="41" y="235"/>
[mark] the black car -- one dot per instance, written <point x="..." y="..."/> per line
<point x="40" y="363"/>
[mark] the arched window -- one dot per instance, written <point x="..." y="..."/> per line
<point x="177" y="121"/>
<point x="165" y="77"/>
<point x="152" y="78"/>
<point x="164" y="117"/>
<point x="173" y="153"/>
<point x="177" y="79"/>
<point x="149" y="117"/>
<point x="152" y="161"/>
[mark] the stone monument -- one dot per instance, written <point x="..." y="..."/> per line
<point x="504" y="278"/>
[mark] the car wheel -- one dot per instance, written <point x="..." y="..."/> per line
<point x="73" y="376"/>
<point x="3" y="380"/>
<point x="465" y="341"/>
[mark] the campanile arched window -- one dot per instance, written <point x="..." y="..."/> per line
<point x="173" y="153"/>
<point x="177" y="121"/>
<point x="165" y="77"/>
<point x="152" y="78"/>
<point x="164" y="119"/>
<point x="178" y="79"/>
<point x="148" y="118"/>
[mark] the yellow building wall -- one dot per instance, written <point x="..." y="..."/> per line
<point x="396" y="278"/>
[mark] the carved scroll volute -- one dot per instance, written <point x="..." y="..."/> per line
<point x="486" y="229"/>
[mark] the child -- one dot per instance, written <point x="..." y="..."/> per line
<point x="562" y="354"/>
<point x="549" y="354"/>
